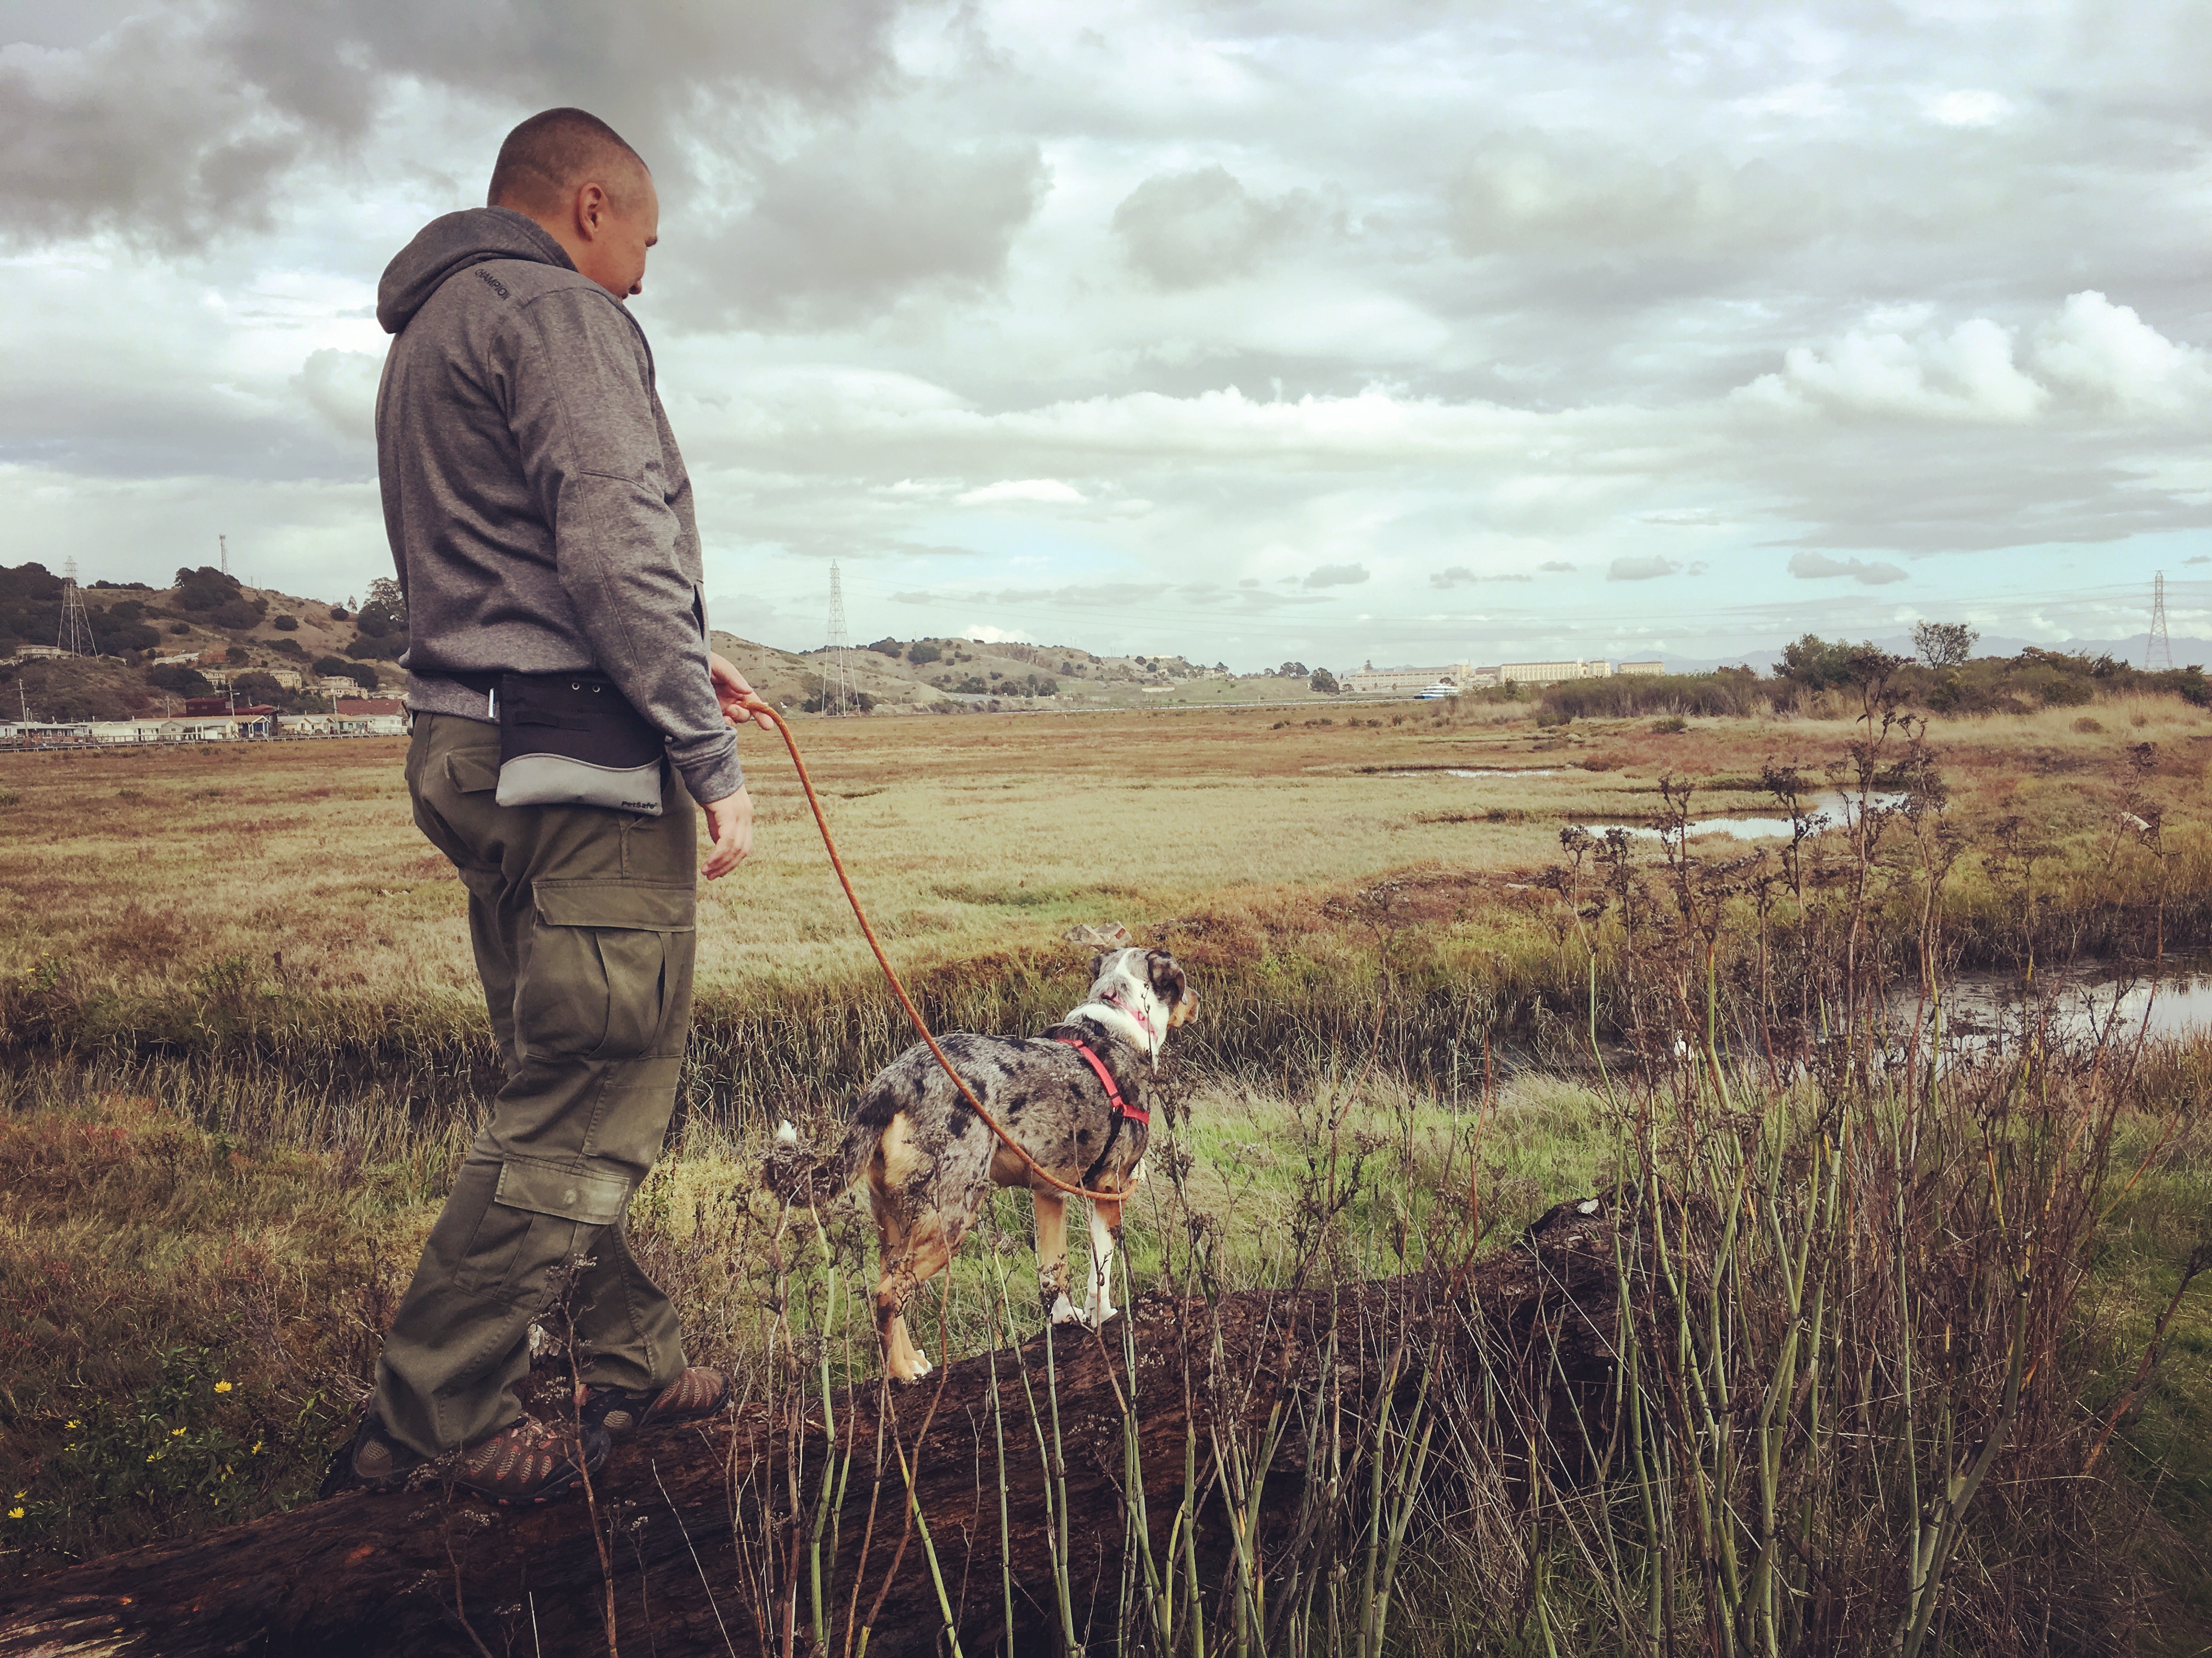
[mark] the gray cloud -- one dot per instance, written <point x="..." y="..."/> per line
<point x="1187" y="230"/>
<point x="177" y="123"/>
<point x="1528" y="192"/>
<point x="1555" y="564"/>
<point x="1647" y="568"/>
<point x="1337" y="575"/>
<point x="853" y="222"/>
<point x="1819" y="567"/>
<point x="1460" y="576"/>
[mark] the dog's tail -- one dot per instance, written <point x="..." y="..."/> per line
<point x="807" y="1180"/>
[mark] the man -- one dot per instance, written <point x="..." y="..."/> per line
<point x="541" y="519"/>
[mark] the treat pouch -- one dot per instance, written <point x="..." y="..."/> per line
<point x="574" y="740"/>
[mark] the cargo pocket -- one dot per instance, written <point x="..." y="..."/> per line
<point x="472" y="773"/>
<point x="537" y="1220"/>
<point x="602" y="965"/>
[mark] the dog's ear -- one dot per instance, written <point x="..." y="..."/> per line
<point x="1097" y="968"/>
<point x="1168" y="979"/>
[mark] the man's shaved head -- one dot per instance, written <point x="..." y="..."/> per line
<point x="545" y="158"/>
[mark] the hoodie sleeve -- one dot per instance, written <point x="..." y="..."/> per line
<point x="581" y="409"/>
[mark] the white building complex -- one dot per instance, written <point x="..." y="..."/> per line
<point x="1466" y="676"/>
<point x="1550" y="673"/>
<point x="1410" y="682"/>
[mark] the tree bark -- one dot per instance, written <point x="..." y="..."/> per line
<point x="710" y="1553"/>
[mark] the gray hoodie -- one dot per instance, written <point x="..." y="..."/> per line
<point x="538" y="509"/>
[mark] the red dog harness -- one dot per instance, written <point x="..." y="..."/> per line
<point x="1123" y="1111"/>
<point x="1121" y="1106"/>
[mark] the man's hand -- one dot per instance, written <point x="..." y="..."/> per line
<point x="732" y="691"/>
<point x="730" y="820"/>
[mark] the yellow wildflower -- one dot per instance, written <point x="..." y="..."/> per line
<point x="176" y="1433"/>
<point x="222" y="1386"/>
<point x="16" y="1512"/>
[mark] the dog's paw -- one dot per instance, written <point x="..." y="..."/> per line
<point x="1063" y="1312"/>
<point x="1092" y="1320"/>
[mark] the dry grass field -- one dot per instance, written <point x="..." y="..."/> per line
<point x="191" y="1197"/>
<point x="143" y="869"/>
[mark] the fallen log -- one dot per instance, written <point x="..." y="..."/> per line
<point x="710" y="1533"/>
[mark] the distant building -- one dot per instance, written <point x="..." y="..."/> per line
<point x="1408" y="681"/>
<point x="1641" y="667"/>
<point x="46" y="731"/>
<point x="127" y="730"/>
<point x="31" y="653"/>
<point x="370" y="716"/>
<point x="1550" y="673"/>
<point x="206" y="707"/>
<point x="171" y="661"/>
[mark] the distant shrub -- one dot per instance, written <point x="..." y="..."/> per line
<point x="339" y="613"/>
<point x="130" y="636"/>
<point x="887" y="647"/>
<point x="178" y="679"/>
<point x="1729" y="693"/>
<point x="2088" y="725"/>
<point x="1672" y="725"/>
<point x="237" y="655"/>
<point x="287" y="646"/>
<point x="284" y="622"/>
<point x="126" y="609"/>
<point x="333" y="666"/>
<point x="180" y="628"/>
<point x="236" y="614"/>
<point x="922" y="651"/>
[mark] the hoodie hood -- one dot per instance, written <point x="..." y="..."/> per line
<point x="454" y="242"/>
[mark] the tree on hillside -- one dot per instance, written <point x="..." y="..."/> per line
<point x="1325" y="682"/>
<point x="178" y="679"/>
<point x="1943" y="645"/>
<point x="206" y="589"/>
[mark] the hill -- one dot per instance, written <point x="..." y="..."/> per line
<point x="204" y="632"/>
<point x="207" y="630"/>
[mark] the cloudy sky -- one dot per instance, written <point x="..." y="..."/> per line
<point x="1395" y="331"/>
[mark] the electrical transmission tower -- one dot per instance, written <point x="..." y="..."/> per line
<point x="2158" y="649"/>
<point x="75" y="635"/>
<point x="836" y="675"/>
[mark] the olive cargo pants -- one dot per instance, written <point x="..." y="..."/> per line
<point x="583" y="920"/>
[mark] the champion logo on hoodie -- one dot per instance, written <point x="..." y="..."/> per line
<point x="491" y="282"/>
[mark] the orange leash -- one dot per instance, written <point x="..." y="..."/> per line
<point x="891" y="975"/>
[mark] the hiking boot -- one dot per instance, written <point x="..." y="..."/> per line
<point x="526" y="1461"/>
<point x="697" y="1394"/>
<point x="372" y="1460"/>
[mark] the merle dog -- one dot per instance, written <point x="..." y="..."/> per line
<point x="1071" y="1097"/>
